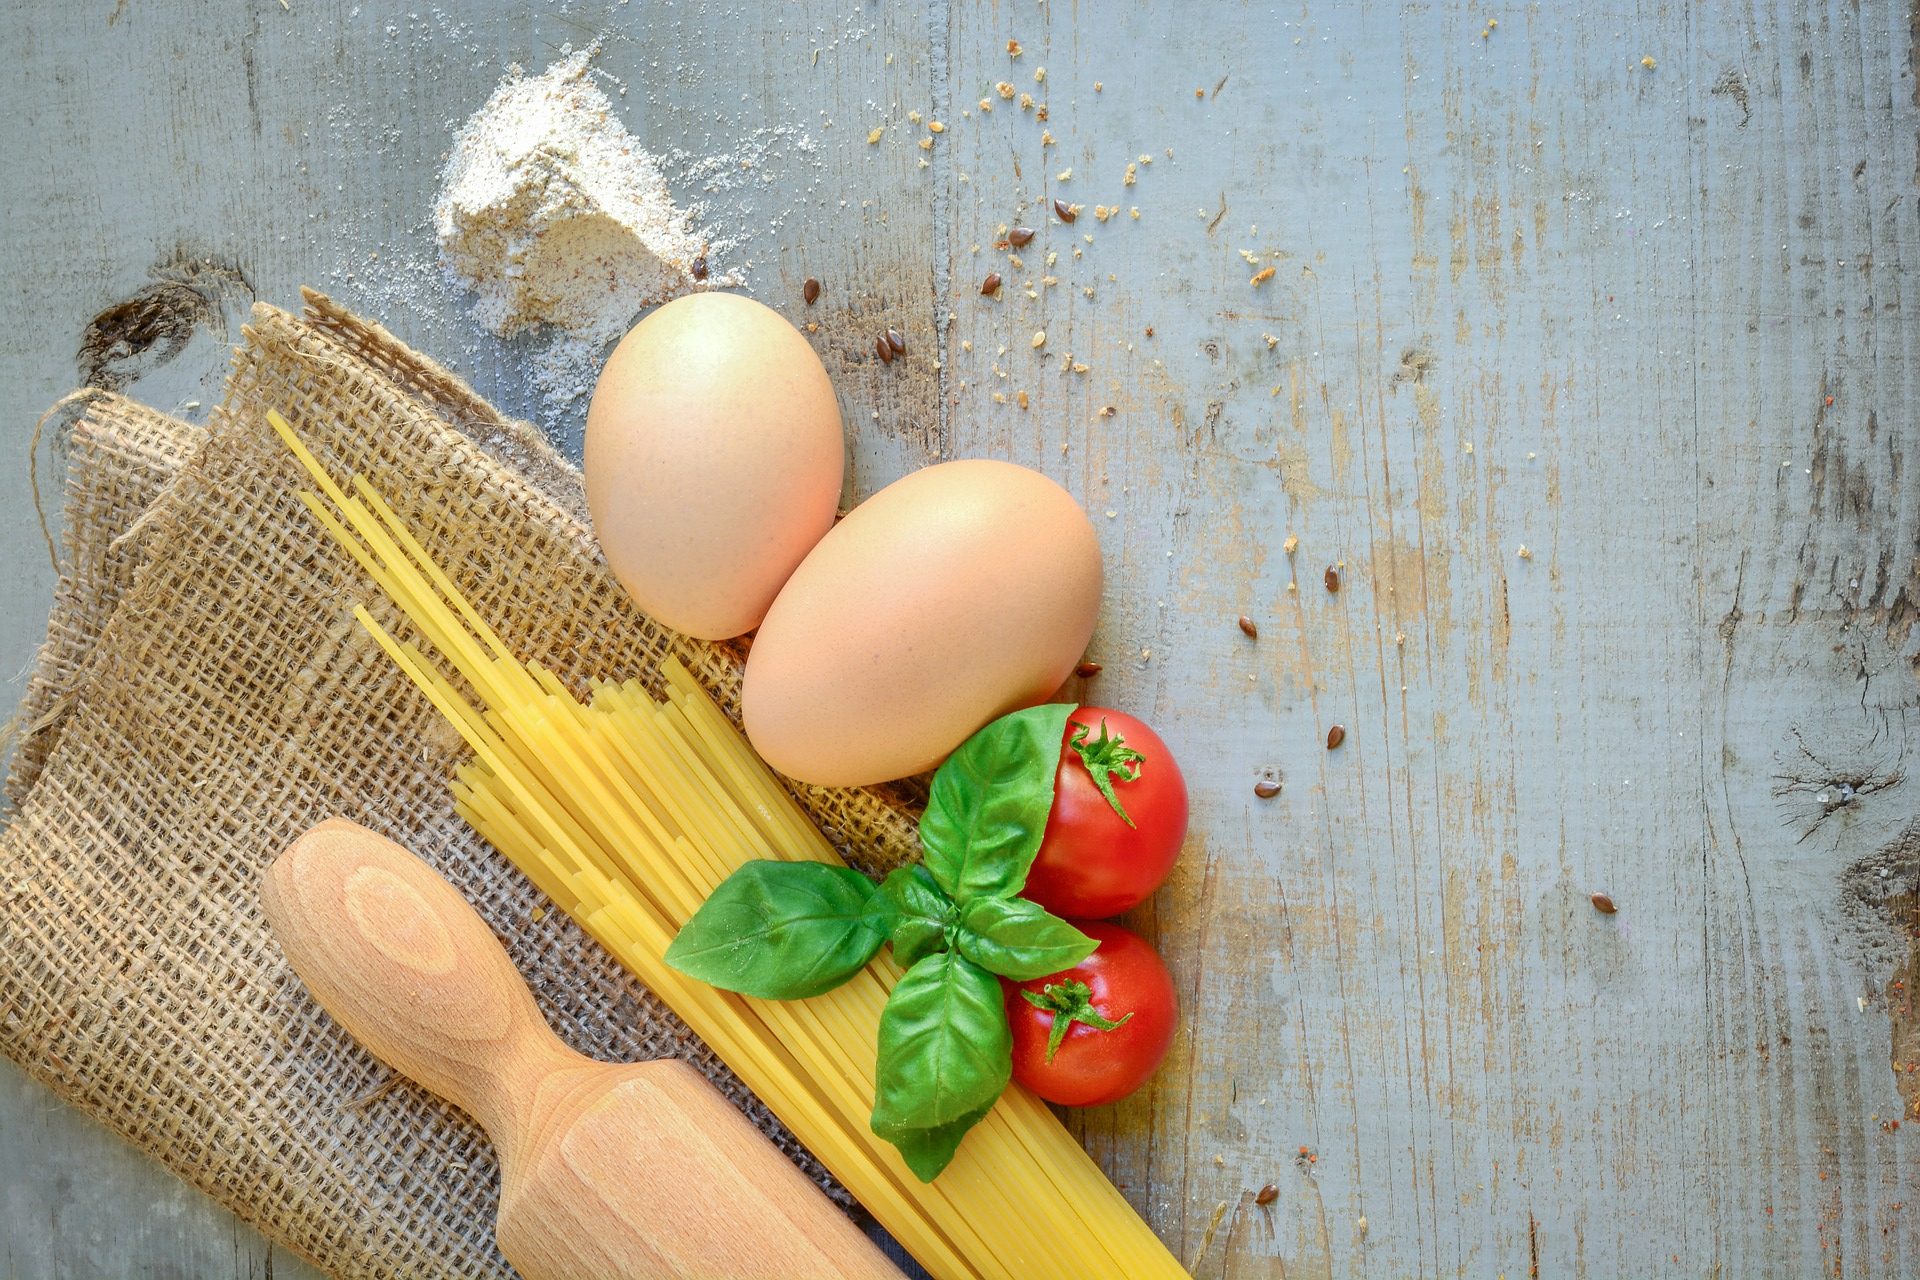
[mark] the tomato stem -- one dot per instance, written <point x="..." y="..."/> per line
<point x="1069" y="1002"/>
<point x="1106" y="758"/>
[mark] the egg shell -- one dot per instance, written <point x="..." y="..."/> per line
<point x="714" y="458"/>
<point x="955" y="595"/>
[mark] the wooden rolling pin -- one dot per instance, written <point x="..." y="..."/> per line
<point x="634" y="1172"/>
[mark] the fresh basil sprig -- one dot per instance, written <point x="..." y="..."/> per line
<point x="788" y="930"/>
<point x="782" y="930"/>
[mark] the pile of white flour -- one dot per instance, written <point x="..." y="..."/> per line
<point x="556" y="217"/>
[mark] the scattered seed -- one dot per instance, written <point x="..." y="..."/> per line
<point x="1087" y="670"/>
<point x="991" y="285"/>
<point x="1149" y="331"/>
<point x="699" y="268"/>
<point x="898" y="343"/>
<point x="1013" y="48"/>
<point x="934" y="126"/>
<point x="1267" y="1194"/>
<point x="883" y="349"/>
<point x="1336" y="736"/>
<point x="810" y="290"/>
<point x="1064" y="211"/>
<point x="1248" y="628"/>
<point x="1266" y="788"/>
<point x="1292" y="544"/>
<point x="1604" y="904"/>
<point x="1020" y="398"/>
<point x="1261" y="276"/>
<point x="1332" y="579"/>
<point x="1019" y="236"/>
<point x="1039" y="338"/>
<point x="1524" y="553"/>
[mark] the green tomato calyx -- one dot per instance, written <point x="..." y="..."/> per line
<point x="1069" y="1002"/>
<point x="1106" y="758"/>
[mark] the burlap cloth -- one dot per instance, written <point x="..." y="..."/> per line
<point x="203" y="697"/>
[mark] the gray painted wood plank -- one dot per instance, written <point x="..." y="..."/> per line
<point x="1527" y="291"/>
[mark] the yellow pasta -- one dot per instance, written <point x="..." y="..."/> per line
<point x="628" y="812"/>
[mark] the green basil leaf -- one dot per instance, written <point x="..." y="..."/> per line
<point x="945" y="1051"/>
<point x="988" y="807"/>
<point x="920" y="914"/>
<point x="1018" y="939"/>
<point x="781" y="930"/>
<point x="928" y="1151"/>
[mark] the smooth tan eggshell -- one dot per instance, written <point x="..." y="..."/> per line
<point x="714" y="458"/>
<point x="958" y="594"/>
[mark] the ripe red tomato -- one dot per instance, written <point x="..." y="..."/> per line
<point x="1093" y="862"/>
<point x="1114" y="1014"/>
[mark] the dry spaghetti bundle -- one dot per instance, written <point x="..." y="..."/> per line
<point x="628" y="812"/>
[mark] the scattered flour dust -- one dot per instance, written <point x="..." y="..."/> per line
<point x="557" y="219"/>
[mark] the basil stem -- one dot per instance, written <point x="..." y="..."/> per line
<point x="921" y="914"/>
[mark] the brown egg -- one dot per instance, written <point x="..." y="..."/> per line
<point x="714" y="458"/>
<point x="962" y="592"/>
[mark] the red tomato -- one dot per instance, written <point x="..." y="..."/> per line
<point x="1092" y="861"/>
<point x="1128" y="1014"/>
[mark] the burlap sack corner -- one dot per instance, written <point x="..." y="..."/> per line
<point x="203" y="697"/>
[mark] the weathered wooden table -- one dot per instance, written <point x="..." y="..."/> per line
<point x="1583" y="340"/>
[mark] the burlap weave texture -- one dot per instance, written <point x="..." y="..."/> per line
<point x="204" y="696"/>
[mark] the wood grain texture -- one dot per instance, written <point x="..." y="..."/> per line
<point x="1630" y="287"/>
<point x="628" y="1171"/>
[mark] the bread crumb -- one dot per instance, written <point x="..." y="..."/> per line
<point x="876" y="135"/>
